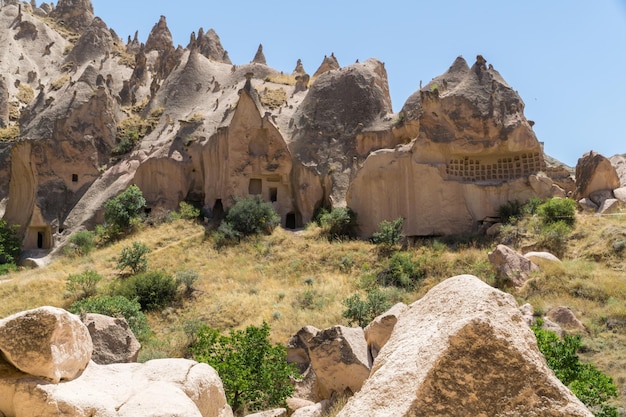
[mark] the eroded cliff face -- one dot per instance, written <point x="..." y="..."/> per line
<point x="474" y="150"/>
<point x="208" y="132"/>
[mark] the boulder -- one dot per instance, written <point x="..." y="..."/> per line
<point x="587" y="205"/>
<point x="46" y="342"/>
<point x="527" y="313"/>
<point x="129" y="389"/>
<point x="464" y="349"/>
<point x="620" y="194"/>
<point x="298" y="347"/>
<point x="113" y="340"/>
<point x="279" y="412"/>
<point x="539" y="258"/>
<point x="610" y="206"/>
<point x="594" y="172"/>
<point x="340" y="360"/>
<point x="619" y="163"/>
<point x="565" y="318"/>
<point x="294" y="404"/>
<point x="315" y="410"/>
<point x="601" y="196"/>
<point x="511" y="266"/>
<point x="378" y="331"/>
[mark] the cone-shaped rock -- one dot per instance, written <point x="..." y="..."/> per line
<point x="259" y="57"/>
<point x="209" y="45"/>
<point x="75" y="14"/>
<point x="160" y="38"/>
<point x="329" y="63"/>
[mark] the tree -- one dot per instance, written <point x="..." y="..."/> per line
<point x="9" y="243"/>
<point x="255" y="373"/>
<point x="126" y="209"/>
<point x="339" y="223"/>
<point x="252" y="216"/>
<point x="134" y="258"/>
<point x="389" y="233"/>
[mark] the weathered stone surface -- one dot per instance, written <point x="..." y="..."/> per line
<point x="610" y="206"/>
<point x="600" y="196"/>
<point x="528" y="313"/>
<point x="279" y="412"/>
<point x="340" y="360"/>
<point x="541" y="257"/>
<point x="620" y="194"/>
<point x="259" y="57"/>
<point x="594" y="172"/>
<point x="295" y="403"/>
<point x="511" y="266"/>
<point x="94" y="43"/>
<point x="136" y="390"/>
<point x="75" y="14"/>
<point x="619" y="163"/>
<point x="473" y="151"/>
<point x="160" y="37"/>
<point x="47" y="342"/>
<point x="113" y="340"/>
<point x="298" y="347"/>
<point x="565" y="318"/>
<point x="462" y="350"/>
<point x="378" y="331"/>
<point x="328" y="64"/>
<point x="209" y="45"/>
<point x="587" y="205"/>
<point x="315" y="410"/>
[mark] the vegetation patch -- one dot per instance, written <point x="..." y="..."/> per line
<point x="59" y="82"/>
<point x="281" y="79"/>
<point x="25" y="93"/>
<point x="273" y="98"/>
<point x="10" y="133"/>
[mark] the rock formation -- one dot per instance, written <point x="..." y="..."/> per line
<point x="94" y="42"/>
<point x="259" y="57"/>
<point x="76" y="15"/>
<point x="160" y="38"/>
<point x="209" y="45"/>
<point x="113" y="340"/>
<point x="463" y="349"/>
<point x="595" y="172"/>
<point x="511" y="267"/>
<point x="328" y="64"/>
<point x="377" y="333"/>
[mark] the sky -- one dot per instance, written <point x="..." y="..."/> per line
<point x="566" y="58"/>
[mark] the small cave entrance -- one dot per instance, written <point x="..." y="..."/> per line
<point x="273" y="194"/>
<point x="293" y="220"/>
<point x="218" y="210"/>
<point x="38" y="237"/>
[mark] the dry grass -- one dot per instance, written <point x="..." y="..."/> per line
<point x="59" y="82"/>
<point x="25" y="93"/>
<point x="9" y="133"/>
<point x="273" y="98"/>
<point x="285" y="79"/>
<point x="293" y="279"/>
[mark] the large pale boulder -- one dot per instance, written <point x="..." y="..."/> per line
<point x="159" y="388"/>
<point x="539" y="258"/>
<point x="378" y="331"/>
<point x="464" y="349"/>
<point x="619" y="163"/>
<point x="594" y="172"/>
<point x="278" y="412"/>
<point x="46" y="342"/>
<point x="113" y="340"/>
<point x="340" y="360"/>
<point x="511" y="266"/>
<point x="566" y="319"/>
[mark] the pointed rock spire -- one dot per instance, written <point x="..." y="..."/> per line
<point x="259" y="57"/>
<point x="75" y="14"/>
<point x="299" y="69"/>
<point x="160" y="38"/>
<point x="209" y="45"/>
<point x="329" y="63"/>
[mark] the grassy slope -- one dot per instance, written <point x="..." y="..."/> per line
<point x="294" y="279"/>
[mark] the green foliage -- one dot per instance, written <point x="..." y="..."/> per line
<point x="115" y="306"/>
<point x="10" y="244"/>
<point x="362" y="312"/>
<point x="134" y="258"/>
<point x="125" y="210"/>
<point x="402" y="272"/>
<point x="188" y="211"/>
<point x="339" y="223"/>
<point x="389" y="233"/>
<point x="187" y="278"/>
<point x="554" y="237"/>
<point x="153" y="290"/>
<point x="81" y="243"/>
<point x="252" y="216"/>
<point x="255" y="373"/>
<point x="510" y="212"/>
<point x="590" y="385"/>
<point x="558" y="210"/>
<point x="83" y="285"/>
<point x="6" y="268"/>
<point x="225" y="235"/>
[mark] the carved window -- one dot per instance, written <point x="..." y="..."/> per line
<point x="255" y="187"/>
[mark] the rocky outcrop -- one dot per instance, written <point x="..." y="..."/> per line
<point x="463" y="349"/>
<point x="619" y="163"/>
<point x="511" y="267"/>
<point x="566" y="319"/>
<point x="94" y="43"/>
<point x="209" y="45"/>
<point x="76" y="15"/>
<point x="4" y="103"/>
<point x="298" y="347"/>
<point x="474" y="152"/>
<point x="259" y="57"/>
<point x="160" y="37"/>
<point x="340" y="360"/>
<point x="328" y="64"/>
<point x="377" y="333"/>
<point x="113" y="340"/>
<point x="46" y="342"/>
<point x="594" y="172"/>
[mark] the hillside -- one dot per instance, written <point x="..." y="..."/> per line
<point x="291" y="279"/>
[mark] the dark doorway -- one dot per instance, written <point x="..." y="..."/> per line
<point x="273" y="194"/>
<point x="290" y="221"/>
<point x="39" y="240"/>
<point x="218" y="210"/>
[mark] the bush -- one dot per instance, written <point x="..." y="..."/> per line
<point x="225" y="235"/>
<point x="510" y="212"/>
<point x="255" y="373"/>
<point x="81" y="243"/>
<point x="389" y="233"/>
<point x="125" y="210"/>
<point x="153" y="290"/>
<point x="589" y="384"/>
<point x="403" y="272"/>
<point x="83" y="285"/>
<point x="362" y="312"/>
<point x="134" y="258"/>
<point x="554" y="237"/>
<point x="558" y="210"/>
<point x="10" y="244"/>
<point x="115" y="306"/>
<point x="340" y="223"/>
<point x="187" y="278"/>
<point x="252" y="216"/>
<point x="188" y="211"/>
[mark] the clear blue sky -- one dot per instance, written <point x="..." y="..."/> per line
<point x="566" y="58"/>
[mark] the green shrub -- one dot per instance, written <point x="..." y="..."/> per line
<point x="532" y="205"/>
<point x="187" y="278"/>
<point x="81" y="243"/>
<point x="402" y="272"/>
<point x="362" y="312"/>
<point x="255" y="373"/>
<point x="115" y="306"/>
<point x="134" y="258"/>
<point x="83" y="285"/>
<point x="153" y="290"/>
<point x="251" y="216"/>
<point x="510" y="212"/>
<point x="225" y="235"/>
<point x="389" y="233"/>
<point x="554" y="237"/>
<point x="188" y="211"/>
<point x="126" y="209"/>
<point x="589" y="384"/>
<point x="10" y="244"/>
<point x="558" y="210"/>
<point x="339" y="223"/>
